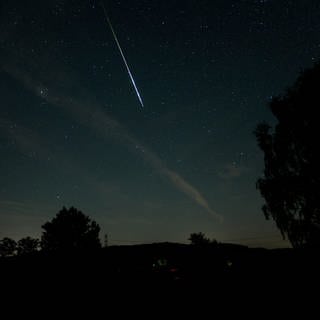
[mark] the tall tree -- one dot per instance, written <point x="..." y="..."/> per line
<point x="291" y="181"/>
<point x="70" y="230"/>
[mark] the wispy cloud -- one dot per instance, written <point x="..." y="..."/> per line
<point x="231" y="171"/>
<point x="25" y="210"/>
<point x="86" y="111"/>
<point x="13" y="205"/>
<point x="31" y="144"/>
<point x="25" y="140"/>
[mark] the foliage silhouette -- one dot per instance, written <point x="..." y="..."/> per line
<point x="8" y="247"/>
<point x="69" y="231"/>
<point x="291" y="181"/>
<point x="199" y="239"/>
<point x="27" y="245"/>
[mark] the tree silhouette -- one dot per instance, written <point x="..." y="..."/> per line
<point x="70" y="230"/>
<point x="7" y="247"/>
<point x="27" y="245"/>
<point x="291" y="181"/>
<point x="199" y="239"/>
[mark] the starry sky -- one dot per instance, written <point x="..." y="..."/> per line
<point x="73" y="133"/>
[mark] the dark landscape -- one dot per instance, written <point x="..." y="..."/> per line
<point x="159" y="150"/>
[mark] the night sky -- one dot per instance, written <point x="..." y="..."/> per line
<point x="73" y="132"/>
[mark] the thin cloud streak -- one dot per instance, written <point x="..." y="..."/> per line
<point x="29" y="143"/>
<point x="89" y="113"/>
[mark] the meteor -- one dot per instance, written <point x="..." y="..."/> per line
<point x="122" y="54"/>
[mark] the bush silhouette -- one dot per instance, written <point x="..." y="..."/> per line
<point x="199" y="239"/>
<point x="8" y="247"/>
<point x="27" y="245"/>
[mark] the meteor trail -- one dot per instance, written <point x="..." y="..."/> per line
<point x="121" y="52"/>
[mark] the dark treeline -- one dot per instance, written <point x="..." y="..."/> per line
<point x="71" y="271"/>
<point x="69" y="254"/>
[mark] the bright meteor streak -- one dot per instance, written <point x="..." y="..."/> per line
<point x="121" y="52"/>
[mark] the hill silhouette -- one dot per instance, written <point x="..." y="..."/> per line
<point x="161" y="272"/>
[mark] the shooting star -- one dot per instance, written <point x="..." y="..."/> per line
<point x="87" y="112"/>
<point x="121" y="52"/>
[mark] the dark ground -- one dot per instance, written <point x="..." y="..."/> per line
<point x="162" y="273"/>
